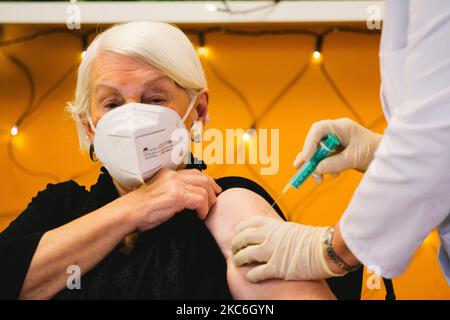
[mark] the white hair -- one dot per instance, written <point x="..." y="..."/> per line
<point x="159" y="44"/>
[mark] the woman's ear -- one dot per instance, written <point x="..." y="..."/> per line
<point x="202" y="105"/>
<point x="88" y="129"/>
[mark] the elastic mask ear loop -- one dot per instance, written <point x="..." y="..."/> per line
<point x="191" y="105"/>
<point x="90" y="122"/>
<point x="91" y="147"/>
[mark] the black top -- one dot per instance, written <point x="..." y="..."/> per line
<point x="168" y="262"/>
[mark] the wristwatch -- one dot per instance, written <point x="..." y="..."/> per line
<point x="332" y="254"/>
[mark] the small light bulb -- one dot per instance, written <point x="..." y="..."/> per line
<point x="202" y="51"/>
<point x="211" y="7"/>
<point x="317" y="55"/>
<point x="14" y="131"/>
<point x="83" y="54"/>
<point x="248" y="134"/>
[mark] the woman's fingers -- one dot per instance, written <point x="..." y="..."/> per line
<point x="197" y="198"/>
<point x="172" y="191"/>
<point x="217" y="188"/>
<point x="196" y="178"/>
<point x="207" y="180"/>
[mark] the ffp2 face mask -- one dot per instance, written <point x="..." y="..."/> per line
<point x="136" y="140"/>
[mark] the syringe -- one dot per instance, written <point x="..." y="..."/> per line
<point x="326" y="147"/>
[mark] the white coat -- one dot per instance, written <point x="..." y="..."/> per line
<point x="405" y="192"/>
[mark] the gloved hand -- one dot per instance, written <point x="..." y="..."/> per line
<point x="287" y="250"/>
<point x="359" y="145"/>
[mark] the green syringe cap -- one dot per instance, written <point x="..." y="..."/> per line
<point x="332" y="142"/>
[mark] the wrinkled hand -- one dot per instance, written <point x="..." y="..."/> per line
<point x="285" y="250"/>
<point x="359" y="145"/>
<point x="169" y="192"/>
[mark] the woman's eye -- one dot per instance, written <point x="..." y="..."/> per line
<point x="156" y="101"/>
<point x="111" y="105"/>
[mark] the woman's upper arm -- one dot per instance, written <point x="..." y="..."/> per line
<point x="233" y="206"/>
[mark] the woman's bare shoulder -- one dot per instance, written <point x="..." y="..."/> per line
<point x="234" y="205"/>
<point x="237" y="204"/>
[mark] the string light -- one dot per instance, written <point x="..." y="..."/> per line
<point x="35" y="35"/>
<point x="317" y="54"/>
<point x="249" y="133"/>
<point x="256" y="33"/>
<point x="30" y="80"/>
<point x="14" y="130"/>
<point x="202" y="50"/>
<point x="33" y="107"/>
<point x="84" y="45"/>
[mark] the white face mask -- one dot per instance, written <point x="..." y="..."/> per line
<point x="136" y="140"/>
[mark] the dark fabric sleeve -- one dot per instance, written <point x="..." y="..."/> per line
<point x="347" y="287"/>
<point x="19" y="240"/>
<point x="204" y="267"/>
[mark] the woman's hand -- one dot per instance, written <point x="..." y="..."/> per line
<point x="359" y="145"/>
<point x="78" y="242"/>
<point x="169" y="192"/>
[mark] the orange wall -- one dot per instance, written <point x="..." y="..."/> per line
<point x="260" y="67"/>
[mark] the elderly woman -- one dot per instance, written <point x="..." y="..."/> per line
<point x="166" y="237"/>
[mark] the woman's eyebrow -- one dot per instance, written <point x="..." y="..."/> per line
<point x="105" y="86"/>
<point x="148" y="83"/>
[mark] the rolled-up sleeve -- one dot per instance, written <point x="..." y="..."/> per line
<point x="405" y="192"/>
